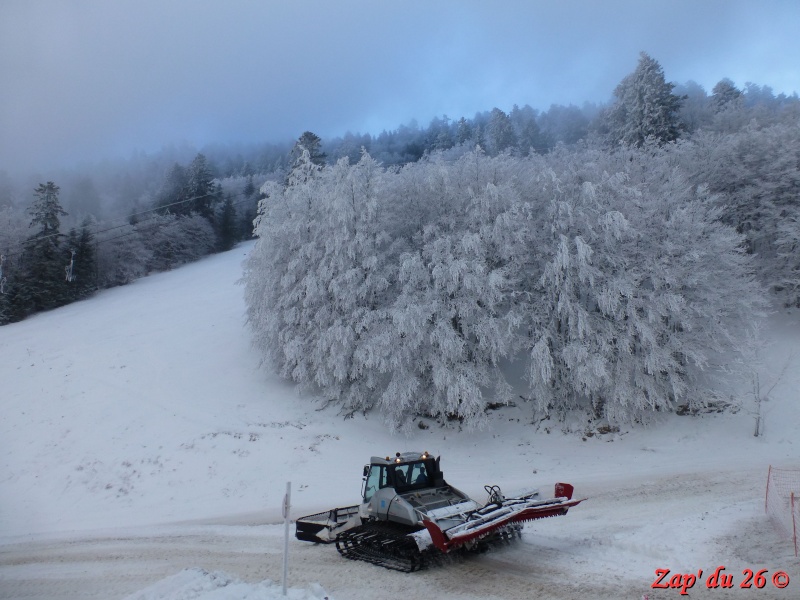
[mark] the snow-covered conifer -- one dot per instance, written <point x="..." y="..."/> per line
<point x="645" y="107"/>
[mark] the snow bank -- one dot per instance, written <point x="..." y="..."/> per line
<point x="198" y="584"/>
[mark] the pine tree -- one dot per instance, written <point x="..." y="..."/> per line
<point x="529" y="137"/>
<point x="725" y="95"/>
<point x="249" y="189"/>
<point x="6" y="309"/>
<point x="312" y="143"/>
<point x="645" y="107"/>
<point x="439" y="136"/>
<point x="42" y="279"/>
<point x="199" y="187"/>
<point x="306" y="158"/>
<point x="173" y="196"/>
<point x="46" y="210"/>
<point x="500" y="132"/>
<point x="464" y="132"/>
<point x="226" y="230"/>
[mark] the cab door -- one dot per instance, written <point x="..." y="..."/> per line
<point x="375" y="478"/>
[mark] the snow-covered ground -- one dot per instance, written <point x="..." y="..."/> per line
<point x="144" y="454"/>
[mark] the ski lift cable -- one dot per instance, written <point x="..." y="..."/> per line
<point x="127" y="217"/>
<point x="130" y="233"/>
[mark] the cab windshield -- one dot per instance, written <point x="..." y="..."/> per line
<point x="411" y="476"/>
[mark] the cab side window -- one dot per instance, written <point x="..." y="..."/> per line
<point x="375" y="481"/>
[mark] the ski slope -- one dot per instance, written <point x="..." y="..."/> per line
<point x="144" y="453"/>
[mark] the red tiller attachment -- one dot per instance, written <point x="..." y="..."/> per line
<point x="494" y="516"/>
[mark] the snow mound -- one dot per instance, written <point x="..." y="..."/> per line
<point x="199" y="584"/>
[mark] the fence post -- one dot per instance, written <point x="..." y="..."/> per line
<point x="766" y="495"/>
<point x="287" y="504"/>
<point x="794" y="525"/>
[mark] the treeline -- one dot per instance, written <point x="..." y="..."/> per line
<point x="191" y="215"/>
<point x="682" y="110"/>
<point x="156" y="212"/>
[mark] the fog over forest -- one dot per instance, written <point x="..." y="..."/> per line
<point x="89" y="81"/>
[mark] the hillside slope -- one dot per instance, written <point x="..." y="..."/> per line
<point x="144" y="410"/>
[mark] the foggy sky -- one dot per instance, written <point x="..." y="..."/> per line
<point x="88" y="79"/>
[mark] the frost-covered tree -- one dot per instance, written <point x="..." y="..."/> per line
<point x="499" y="133"/>
<point x="173" y="196"/>
<point x="174" y="240"/>
<point x="281" y="290"/>
<point x="42" y="280"/>
<point x="315" y="278"/>
<point x="642" y="287"/>
<point x="227" y="229"/>
<point x="451" y="319"/>
<point x="403" y="290"/>
<point x="756" y="176"/>
<point x="306" y="158"/>
<point x="644" y="107"/>
<point x="464" y="131"/>
<point x="354" y="275"/>
<point x="449" y="329"/>
<point x="46" y="210"/>
<point x="724" y="94"/>
<point x="528" y="137"/>
<point x="566" y="124"/>
<point x="199" y="188"/>
<point x="407" y="322"/>
<point x="696" y="110"/>
<point x="122" y="256"/>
